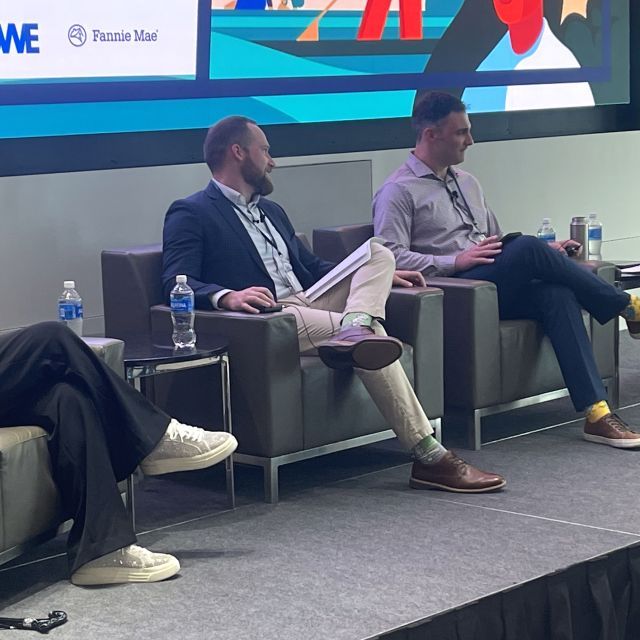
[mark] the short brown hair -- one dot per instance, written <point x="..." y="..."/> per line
<point x="433" y="107"/>
<point x="224" y="133"/>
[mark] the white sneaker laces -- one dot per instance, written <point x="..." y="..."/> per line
<point x="140" y="552"/>
<point x="182" y="432"/>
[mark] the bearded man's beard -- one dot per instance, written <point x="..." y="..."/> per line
<point x="261" y="182"/>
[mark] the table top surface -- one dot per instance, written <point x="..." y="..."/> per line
<point x="144" y="351"/>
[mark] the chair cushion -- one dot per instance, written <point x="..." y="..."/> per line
<point x="331" y="398"/>
<point x="29" y="503"/>
<point x="533" y="369"/>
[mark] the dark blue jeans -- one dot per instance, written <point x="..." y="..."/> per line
<point x="536" y="282"/>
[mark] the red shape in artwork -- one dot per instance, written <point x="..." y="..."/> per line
<point x="375" y="15"/>
<point x="524" y="19"/>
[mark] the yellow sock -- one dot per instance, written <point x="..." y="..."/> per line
<point x="632" y="310"/>
<point x="597" y="411"/>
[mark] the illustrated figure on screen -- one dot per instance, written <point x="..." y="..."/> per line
<point x="375" y="15"/>
<point x="529" y="44"/>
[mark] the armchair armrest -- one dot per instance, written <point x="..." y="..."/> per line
<point x="264" y="361"/>
<point x="110" y="350"/>
<point x="471" y="341"/>
<point x="604" y="270"/>
<point x="414" y="315"/>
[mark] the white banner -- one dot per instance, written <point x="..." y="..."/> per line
<point x="86" y="39"/>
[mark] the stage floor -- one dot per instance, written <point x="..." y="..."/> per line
<point x="349" y="558"/>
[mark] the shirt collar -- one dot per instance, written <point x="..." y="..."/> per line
<point x="235" y="196"/>
<point x="421" y="170"/>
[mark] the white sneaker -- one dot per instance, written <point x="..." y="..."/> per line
<point x="184" y="448"/>
<point x="129" y="564"/>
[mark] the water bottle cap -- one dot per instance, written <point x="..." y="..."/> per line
<point x="181" y="279"/>
<point x="69" y="284"/>
<point x="593" y="216"/>
<point x="546" y="220"/>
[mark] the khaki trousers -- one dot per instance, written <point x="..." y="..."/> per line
<point x="366" y="290"/>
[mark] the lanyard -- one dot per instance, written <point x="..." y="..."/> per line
<point x="454" y="200"/>
<point x="268" y="238"/>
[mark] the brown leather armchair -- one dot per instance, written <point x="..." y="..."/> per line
<point x="285" y="407"/>
<point x="490" y="366"/>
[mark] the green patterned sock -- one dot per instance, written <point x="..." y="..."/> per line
<point x="428" y="451"/>
<point x="358" y="319"/>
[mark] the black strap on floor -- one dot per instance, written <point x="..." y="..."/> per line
<point x="42" y="625"/>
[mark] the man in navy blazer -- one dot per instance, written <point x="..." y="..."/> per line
<point x="240" y="252"/>
<point x="208" y="239"/>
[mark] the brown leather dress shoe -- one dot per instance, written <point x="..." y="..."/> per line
<point x="359" y="347"/>
<point x="454" y="474"/>
<point x="634" y="329"/>
<point x="613" y="431"/>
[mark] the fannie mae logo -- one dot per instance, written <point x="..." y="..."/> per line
<point x="78" y="35"/>
<point x="19" y="38"/>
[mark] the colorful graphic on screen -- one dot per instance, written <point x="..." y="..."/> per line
<point x="124" y="66"/>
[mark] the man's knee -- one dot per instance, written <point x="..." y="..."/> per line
<point x="529" y="244"/>
<point x="381" y="253"/>
<point x="49" y="331"/>
<point x="524" y="250"/>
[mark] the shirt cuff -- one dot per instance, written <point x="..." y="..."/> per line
<point x="446" y="265"/>
<point x="215" y="297"/>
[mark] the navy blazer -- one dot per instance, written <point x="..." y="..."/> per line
<point x="204" y="239"/>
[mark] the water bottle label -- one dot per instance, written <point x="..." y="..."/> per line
<point x="69" y="311"/>
<point x="182" y="305"/>
<point x="595" y="233"/>
<point x="547" y="237"/>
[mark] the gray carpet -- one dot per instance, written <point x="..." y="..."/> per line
<point x="351" y="551"/>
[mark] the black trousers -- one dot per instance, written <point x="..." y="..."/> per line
<point x="99" y="429"/>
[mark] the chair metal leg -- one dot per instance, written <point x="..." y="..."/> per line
<point x="437" y="428"/>
<point x="130" y="502"/>
<point x="271" y="482"/>
<point x="226" y="418"/>
<point x="465" y="427"/>
<point x="614" y="389"/>
<point x="613" y="393"/>
<point x="474" y="430"/>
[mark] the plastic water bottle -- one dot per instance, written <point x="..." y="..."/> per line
<point x="70" y="307"/>
<point x="182" y="314"/>
<point x="546" y="232"/>
<point x="595" y="235"/>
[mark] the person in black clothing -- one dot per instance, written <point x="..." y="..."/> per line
<point x="100" y="429"/>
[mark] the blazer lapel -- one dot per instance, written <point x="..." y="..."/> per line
<point x="230" y="216"/>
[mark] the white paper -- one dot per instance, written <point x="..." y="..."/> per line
<point x="342" y="270"/>
<point x="635" y="269"/>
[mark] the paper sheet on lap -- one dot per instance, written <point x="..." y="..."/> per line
<point x="342" y="270"/>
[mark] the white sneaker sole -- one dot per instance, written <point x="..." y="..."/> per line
<point x="612" y="442"/>
<point x="201" y="461"/>
<point x="118" y="575"/>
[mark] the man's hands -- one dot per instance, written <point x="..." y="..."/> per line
<point x="408" y="279"/>
<point x="247" y="299"/>
<point x="567" y="247"/>
<point x="482" y="253"/>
